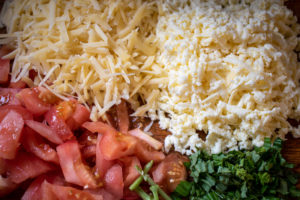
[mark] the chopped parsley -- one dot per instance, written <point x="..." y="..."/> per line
<point x="260" y="174"/>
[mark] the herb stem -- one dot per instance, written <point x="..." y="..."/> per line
<point x="139" y="180"/>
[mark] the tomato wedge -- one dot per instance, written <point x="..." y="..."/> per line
<point x="114" y="181"/>
<point x="8" y="96"/>
<point x="18" y="85"/>
<point x="130" y="172"/>
<point x="19" y="109"/>
<point x="25" y="166"/>
<point x="146" y="153"/>
<point x="72" y="166"/>
<point x="123" y="118"/>
<point x="29" y="98"/>
<point x="102" y="165"/>
<point x="170" y="172"/>
<point x="35" y="144"/>
<point x="114" y="144"/>
<point x="58" y="124"/>
<point x="44" y="131"/>
<point x="10" y="131"/>
<point x="80" y="115"/>
<point x="67" y="193"/>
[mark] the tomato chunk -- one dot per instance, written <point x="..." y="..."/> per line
<point x="58" y="124"/>
<point x="72" y="166"/>
<point x="44" y="131"/>
<point x="170" y="172"/>
<point x="18" y="85"/>
<point x="29" y="98"/>
<point x="4" y="110"/>
<point x="67" y="193"/>
<point x="35" y="144"/>
<point x="8" y="96"/>
<point x="4" y="70"/>
<point x="114" y="144"/>
<point x="123" y="118"/>
<point x="80" y="115"/>
<point x="146" y="153"/>
<point x="6" y="186"/>
<point x="25" y="166"/>
<point x="130" y="172"/>
<point x="10" y="131"/>
<point x="102" y="165"/>
<point x="114" y="181"/>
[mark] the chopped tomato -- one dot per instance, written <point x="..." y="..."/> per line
<point x="80" y="115"/>
<point x="8" y="96"/>
<point x="114" y="181"/>
<point x="123" y="118"/>
<point x="106" y="195"/>
<point x="35" y="144"/>
<point x="74" y="170"/>
<point x="130" y="172"/>
<point x="157" y="145"/>
<point x="58" y="124"/>
<point x="4" y="110"/>
<point x="146" y="153"/>
<point x="67" y="193"/>
<point x="130" y="195"/>
<point x="26" y="165"/>
<point x="170" y="172"/>
<point x="4" y="70"/>
<point x="29" y="98"/>
<point x="18" y="85"/>
<point x="114" y="144"/>
<point x="10" y="131"/>
<point x="44" y="131"/>
<point x="46" y="95"/>
<point x="65" y="109"/>
<point x="102" y="165"/>
<point x="6" y="186"/>
<point x="35" y="190"/>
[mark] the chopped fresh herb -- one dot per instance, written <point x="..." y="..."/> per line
<point x="252" y="175"/>
<point x="155" y="189"/>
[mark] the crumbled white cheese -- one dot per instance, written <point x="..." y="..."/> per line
<point x="232" y="73"/>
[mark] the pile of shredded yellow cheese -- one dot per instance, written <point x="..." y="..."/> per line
<point x="227" y="68"/>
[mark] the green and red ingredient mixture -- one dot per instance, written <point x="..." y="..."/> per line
<point x="49" y="149"/>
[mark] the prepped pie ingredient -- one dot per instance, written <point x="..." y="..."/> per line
<point x="258" y="174"/>
<point x="227" y="68"/>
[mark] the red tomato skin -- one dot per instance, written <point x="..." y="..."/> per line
<point x="80" y="115"/>
<point x="44" y="131"/>
<point x="130" y="172"/>
<point x="35" y="144"/>
<point x="4" y="70"/>
<point x="29" y="98"/>
<point x="170" y="172"/>
<point x="66" y="193"/>
<point x="8" y="96"/>
<point x="4" y="110"/>
<point x="58" y="124"/>
<point x="10" y="132"/>
<point x="114" y="144"/>
<point x="25" y="166"/>
<point x="72" y="166"/>
<point x="145" y="153"/>
<point x="17" y="85"/>
<point x="123" y="118"/>
<point x="114" y="181"/>
<point x="102" y="165"/>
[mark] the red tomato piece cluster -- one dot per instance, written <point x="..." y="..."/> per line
<point x="51" y="146"/>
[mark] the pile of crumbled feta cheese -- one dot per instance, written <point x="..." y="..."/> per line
<point x="232" y="72"/>
<point x="227" y="68"/>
